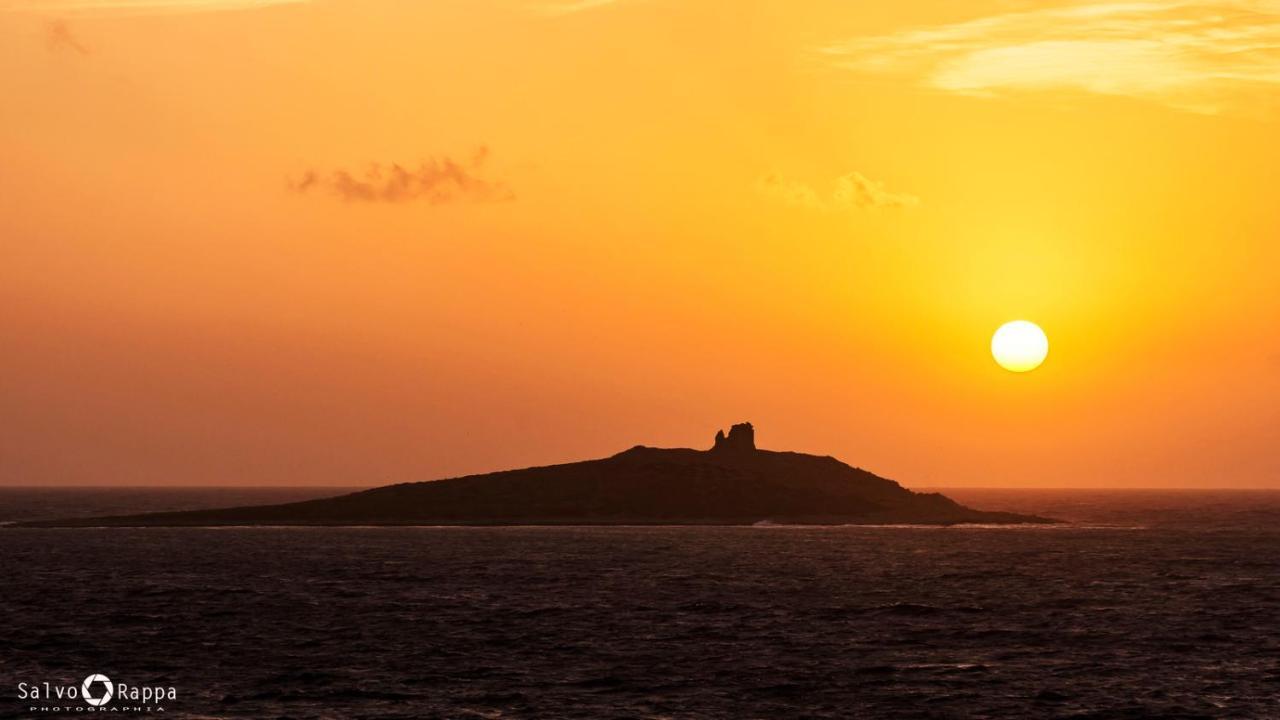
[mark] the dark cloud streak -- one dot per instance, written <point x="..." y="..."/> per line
<point x="438" y="181"/>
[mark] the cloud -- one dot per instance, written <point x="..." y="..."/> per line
<point x="853" y="191"/>
<point x="135" y="7"/>
<point x="58" y="36"/>
<point x="437" y="181"/>
<point x="1204" y="56"/>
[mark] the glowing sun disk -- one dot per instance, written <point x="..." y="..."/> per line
<point x="1019" y="346"/>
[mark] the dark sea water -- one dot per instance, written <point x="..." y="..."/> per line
<point x="1149" y="605"/>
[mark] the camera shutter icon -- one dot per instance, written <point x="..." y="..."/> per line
<point x="86" y="690"/>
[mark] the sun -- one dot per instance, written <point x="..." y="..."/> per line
<point x="1019" y="346"/>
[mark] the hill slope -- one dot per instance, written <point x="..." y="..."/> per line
<point x="733" y="483"/>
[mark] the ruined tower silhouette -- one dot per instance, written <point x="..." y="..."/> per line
<point x="741" y="438"/>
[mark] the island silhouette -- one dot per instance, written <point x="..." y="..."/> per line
<point x="732" y="483"/>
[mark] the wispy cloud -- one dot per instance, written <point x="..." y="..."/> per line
<point x="1205" y="56"/>
<point x="437" y="181"/>
<point x="58" y="36"/>
<point x="134" y="7"/>
<point x="853" y="191"/>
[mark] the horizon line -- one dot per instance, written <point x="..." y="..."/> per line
<point x="920" y="488"/>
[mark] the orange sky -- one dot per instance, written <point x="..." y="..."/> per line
<point x="637" y="221"/>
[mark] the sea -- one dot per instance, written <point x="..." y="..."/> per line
<point x="1144" y="604"/>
